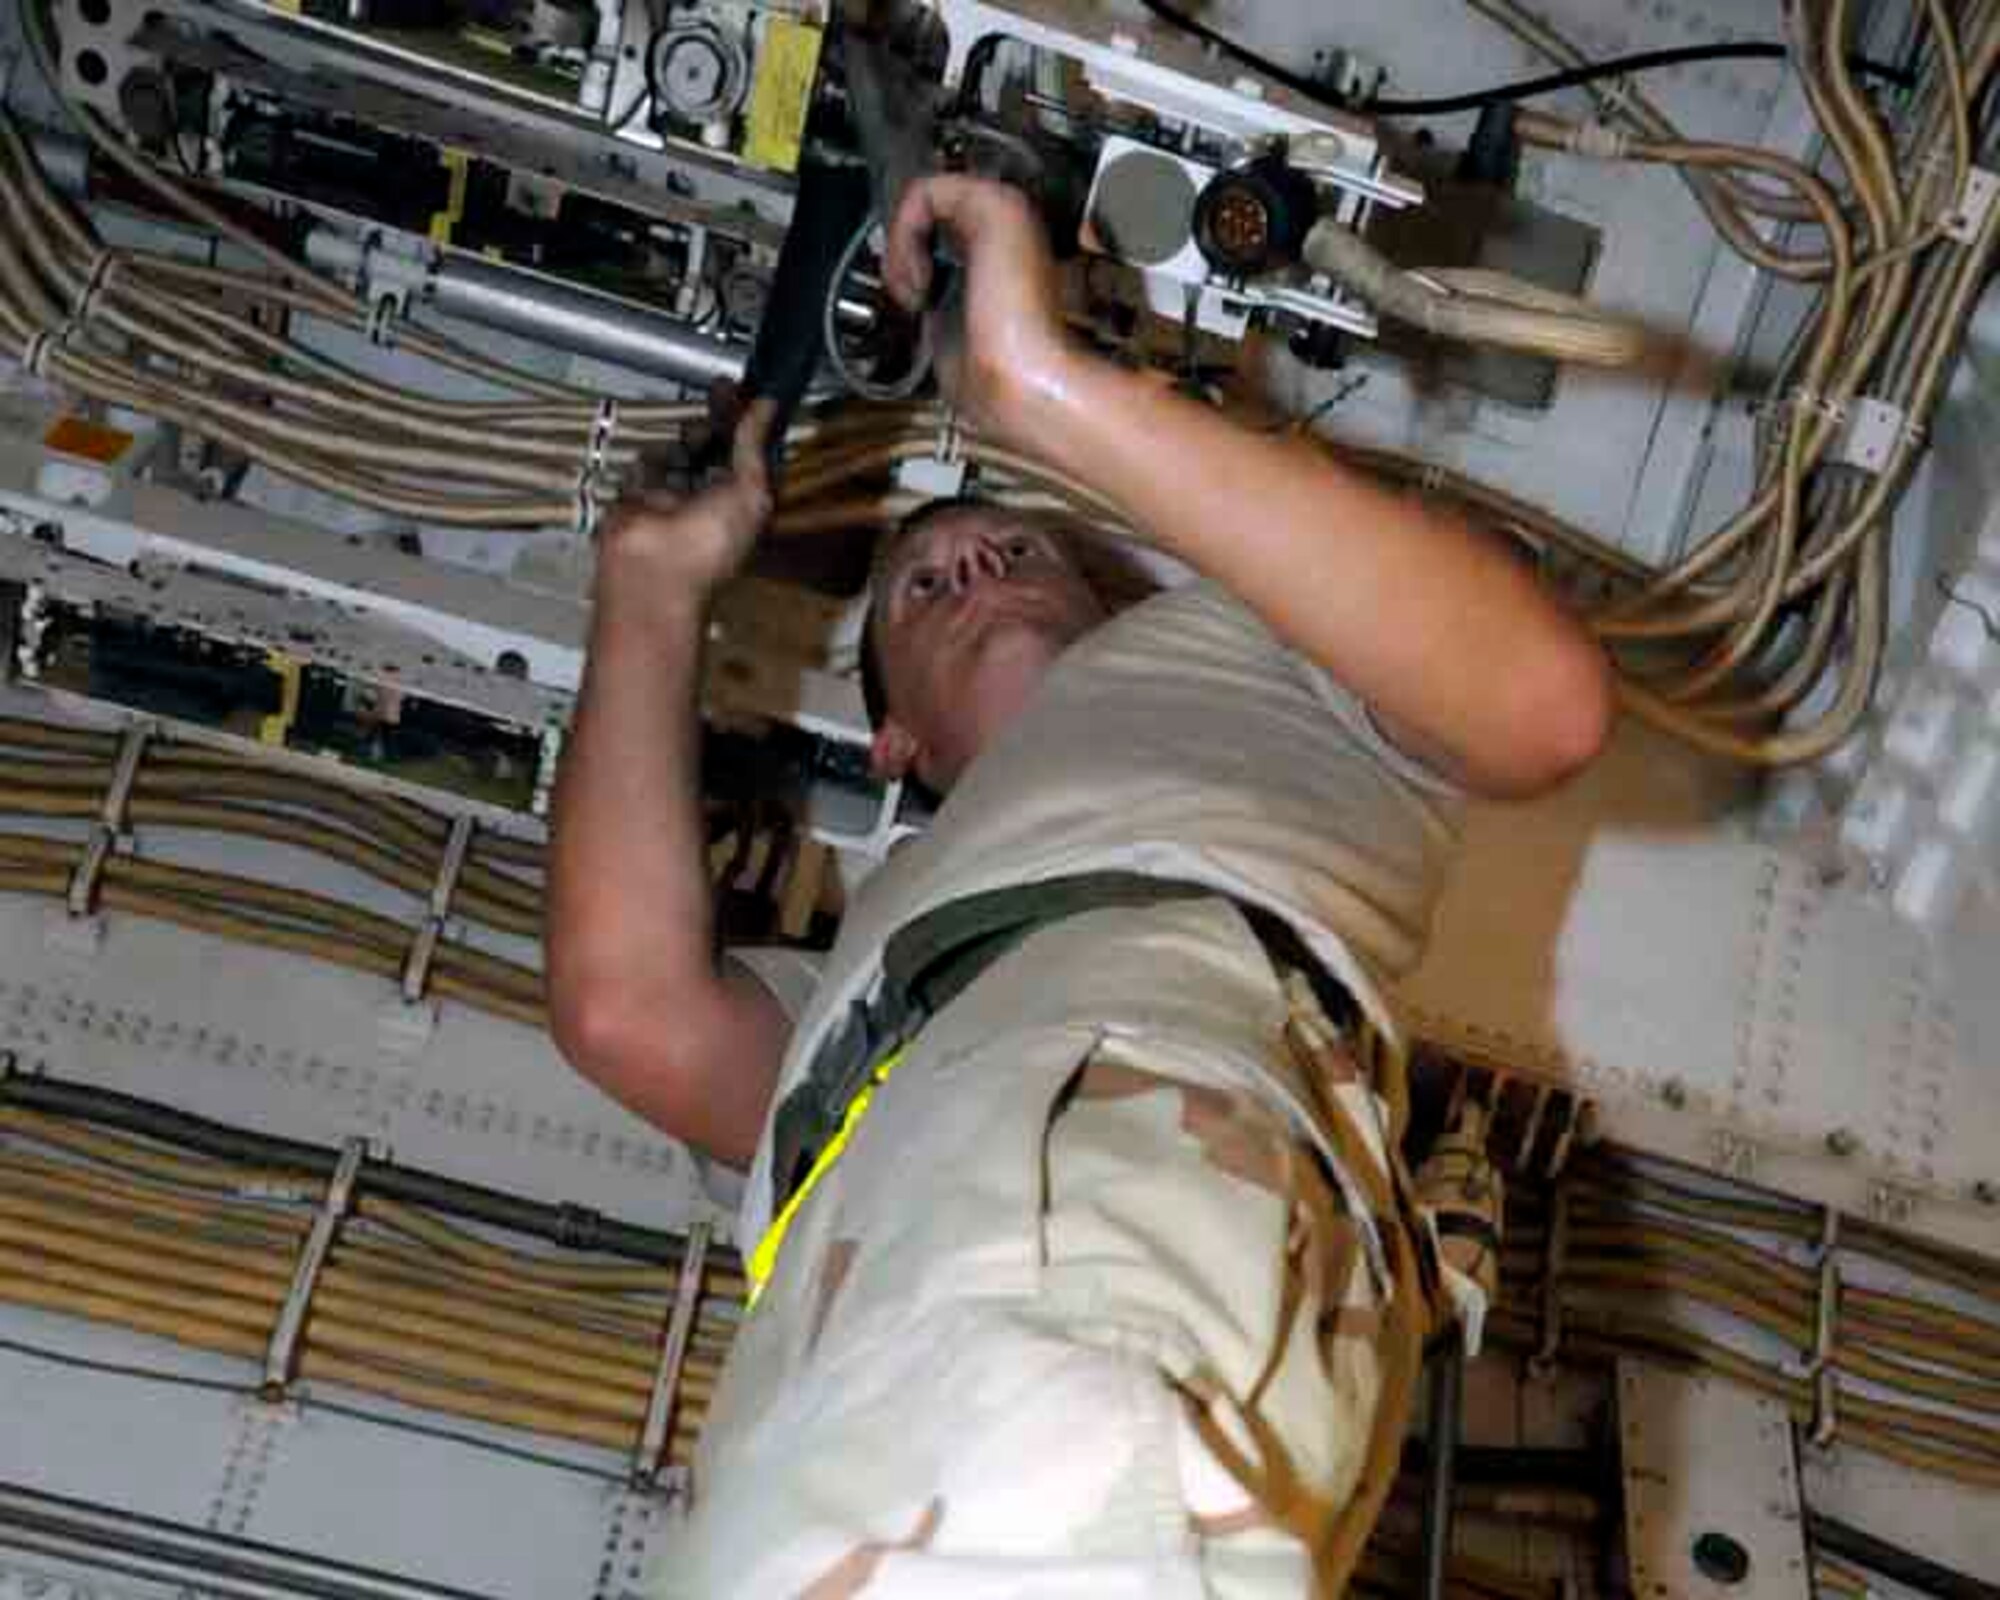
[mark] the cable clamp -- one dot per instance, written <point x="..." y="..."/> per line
<point x="1826" y="1390"/>
<point x="647" y="1463"/>
<point x="383" y="313"/>
<point x="1873" y="433"/>
<point x="1555" y="1253"/>
<point x="1976" y="200"/>
<point x="111" y="820"/>
<point x="333" y="1210"/>
<point x="417" y="966"/>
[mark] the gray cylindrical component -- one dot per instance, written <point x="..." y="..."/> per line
<point x="580" y="321"/>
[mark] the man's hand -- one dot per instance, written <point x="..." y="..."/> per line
<point x="1015" y="355"/>
<point x="679" y="552"/>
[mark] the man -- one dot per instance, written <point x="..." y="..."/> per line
<point x="1115" y="1287"/>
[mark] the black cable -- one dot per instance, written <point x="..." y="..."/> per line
<point x="1526" y="88"/>
<point x="308" y="1401"/>
<point x="572" y="1226"/>
<point x="1833" y="1537"/>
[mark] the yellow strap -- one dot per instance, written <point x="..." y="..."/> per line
<point x="765" y="1256"/>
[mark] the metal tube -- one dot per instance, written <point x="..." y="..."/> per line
<point x="64" y="161"/>
<point x="122" y="1542"/>
<point x="511" y="300"/>
<point x="1447" y="1400"/>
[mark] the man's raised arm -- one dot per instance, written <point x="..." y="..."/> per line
<point x="1438" y="628"/>
<point x="636" y="1000"/>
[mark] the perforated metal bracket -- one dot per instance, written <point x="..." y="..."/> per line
<point x="1975" y="204"/>
<point x="283" y="1348"/>
<point x="417" y="965"/>
<point x="647" y="1464"/>
<point x="111" y="821"/>
<point x="1826" y="1387"/>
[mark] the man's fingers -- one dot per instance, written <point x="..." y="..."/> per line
<point x="906" y="262"/>
<point x="749" y="453"/>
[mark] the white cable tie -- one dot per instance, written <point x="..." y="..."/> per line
<point x="1431" y="480"/>
<point x="587" y="508"/>
<point x="37" y="352"/>
<point x="1599" y="140"/>
<point x="950" y="438"/>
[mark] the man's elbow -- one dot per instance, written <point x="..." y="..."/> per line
<point x="616" y="1040"/>
<point x="1560" y="720"/>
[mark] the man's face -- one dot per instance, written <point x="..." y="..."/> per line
<point x="970" y="611"/>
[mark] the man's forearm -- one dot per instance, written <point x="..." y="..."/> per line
<point x="634" y="992"/>
<point x="1436" y="626"/>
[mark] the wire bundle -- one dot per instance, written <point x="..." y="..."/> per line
<point x="49" y="772"/>
<point x="1765" y="642"/>
<point x="181" y="341"/>
<point x="1918" y="1380"/>
<point x="407" y="1306"/>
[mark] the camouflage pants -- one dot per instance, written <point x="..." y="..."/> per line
<point x="1080" y="1319"/>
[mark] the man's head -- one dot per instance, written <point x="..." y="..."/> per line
<point x="972" y="604"/>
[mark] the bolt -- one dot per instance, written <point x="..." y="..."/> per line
<point x="1986" y="1192"/>
<point x="1841" y="1142"/>
<point x="1674" y="1092"/>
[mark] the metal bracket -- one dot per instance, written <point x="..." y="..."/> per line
<point x="647" y="1463"/>
<point x="417" y="966"/>
<point x="1826" y="1388"/>
<point x="111" y="821"/>
<point x="1975" y="203"/>
<point x="1552" y="1266"/>
<point x="1871" y="431"/>
<point x="333" y="1210"/>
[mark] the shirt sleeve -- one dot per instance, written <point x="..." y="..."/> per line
<point x="1353" y="714"/>
<point x="790" y="975"/>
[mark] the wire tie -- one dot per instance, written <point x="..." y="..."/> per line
<point x="1826" y="1402"/>
<point x="339" y="1200"/>
<point x="1556" y="1249"/>
<point x="1431" y="480"/>
<point x="417" y="966"/>
<point x="111" y="820"/>
<point x="950" y="437"/>
<point x="673" y="1357"/>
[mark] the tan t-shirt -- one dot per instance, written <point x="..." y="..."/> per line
<point x="1184" y="741"/>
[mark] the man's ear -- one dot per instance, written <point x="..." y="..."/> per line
<point x="893" y="754"/>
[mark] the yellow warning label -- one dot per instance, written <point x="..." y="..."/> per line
<point x="459" y="165"/>
<point x="291" y="8"/>
<point x="92" y="441"/>
<point x="782" y="95"/>
<point x="277" y="727"/>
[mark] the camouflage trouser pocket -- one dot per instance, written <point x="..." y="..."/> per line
<point x="1188" y="1222"/>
